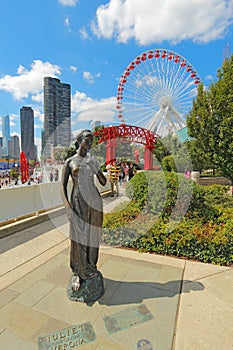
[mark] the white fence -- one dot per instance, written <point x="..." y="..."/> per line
<point x="32" y="199"/>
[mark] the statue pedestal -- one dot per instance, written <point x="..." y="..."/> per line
<point x="90" y="290"/>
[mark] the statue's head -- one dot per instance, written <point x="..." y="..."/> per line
<point x="85" y="134"/>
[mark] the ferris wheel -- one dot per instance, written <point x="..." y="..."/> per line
<point x="156" y="91"/>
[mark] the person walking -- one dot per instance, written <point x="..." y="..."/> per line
<point x="122" y="174"/>
<point x="114" y="178"/>
<point x="131" y="171"/>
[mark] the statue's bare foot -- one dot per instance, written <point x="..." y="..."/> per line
<point x="75" y="282"/>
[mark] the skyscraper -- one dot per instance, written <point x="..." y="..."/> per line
<point x="42" y="139"/>
<point x="5" y="133"/>
<point x="57" y="113"/>
<point x="13" y="148"/>
<point x="27" y="132"/>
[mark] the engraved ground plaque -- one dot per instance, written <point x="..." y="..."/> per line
<point x="68" y="338"/>
<point x="127" y="318"/>
<point x="144" y="344"/>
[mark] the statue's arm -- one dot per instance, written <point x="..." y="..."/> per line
<point x="100" y="176"/>
<point x="97" y="170"/>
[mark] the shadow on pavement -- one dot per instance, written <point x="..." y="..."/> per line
<point x="118" y="293"/>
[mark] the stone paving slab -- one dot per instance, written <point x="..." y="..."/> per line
<point x="21" y="320"/>
<point x="10" y="341"/>
<point x="28" y="266"/>
<point x="27" y="251"/>
<point x="210" y="322"/>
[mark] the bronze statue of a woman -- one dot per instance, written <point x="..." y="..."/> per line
<point x="85" y="213"/>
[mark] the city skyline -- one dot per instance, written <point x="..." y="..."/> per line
<point x="89" y="45"/>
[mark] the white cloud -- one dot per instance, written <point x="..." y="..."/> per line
<point x="13" y="117"/>
<point x="83" y="33"/>
<point x="29" y="81"/>
<point x="90" y="78"/>
<point x="68" y="2"/>
<point x="73" y="69"/>
<point x="87" y="76"/>
<point x="21" y="70"/>
<point x="76" y="132"/>
<point x="151" y="21"/>
<point x="38" y="144"/>
<point x="14" y="133"/>
<point x="85" y="108"/>
<point x="37" y="126"/>
<point x="38" y="113"/>
<point x="67" y="22"/>
<point x="38" y="97"/>
<point x="209" y="77"/>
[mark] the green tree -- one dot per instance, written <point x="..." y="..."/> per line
<point x="166" y="146"/>
<point x="14" y="173"/>
<point x="168" y="163"/>
<point x="70" y="152"/>
<point x="224" y="111"/>
<point x="200" y="160"/>
<point x="210" y="121"/>
<point x="98" y="149"/>
<point x="61" y="154"/>
<point x="160" y="150"/>
<point x="124" y="150"/>
<point x="202" y="127"/>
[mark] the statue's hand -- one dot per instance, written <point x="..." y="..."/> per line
<point x="70" y="214"/>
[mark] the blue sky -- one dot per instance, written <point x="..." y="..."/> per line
<point x="88" y="44"/>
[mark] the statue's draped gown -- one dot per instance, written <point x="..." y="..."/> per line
<point x="86" y="223"/>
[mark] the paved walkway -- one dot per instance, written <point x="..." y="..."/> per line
<point x="150" y="301"/>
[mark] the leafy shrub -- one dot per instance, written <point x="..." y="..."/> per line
<point x="168" y="163"/>
<point x="122" y="217"/>
<point x="210" y="243"/>
<point x="137" y="188"/>
<point x="218" y="195"/>
<point x="118" y="236"/>
<point x="164" y="193"/>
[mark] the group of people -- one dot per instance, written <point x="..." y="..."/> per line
<point x="119" y="173"/>
<point x="54" y="175"/>
<point x="5" y="180"/>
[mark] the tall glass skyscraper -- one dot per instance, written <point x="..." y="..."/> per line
<point x="57" y="113"/>
<point x="27" y="132"/>
<point x="6" y="133"/>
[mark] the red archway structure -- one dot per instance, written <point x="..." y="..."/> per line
<point x="128" y="133"/>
